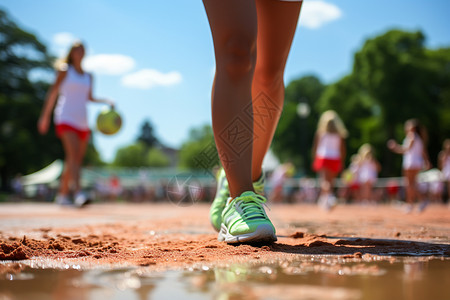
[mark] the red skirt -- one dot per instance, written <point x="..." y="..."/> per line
<point x="62" y="128"/>
<point x="333" y="165"/>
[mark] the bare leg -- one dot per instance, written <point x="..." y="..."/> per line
<point x="277" y="22"/>
<point x="71" y="144"/>
<point x="82" y="146"/>
<point x="64" y="181"/>
<point x="411" y="185"/>
<point x="327" y="182"/>
<point x="234" y="29"/>
<point x="365" y="191"/>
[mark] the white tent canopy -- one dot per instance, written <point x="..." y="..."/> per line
<point x="46" y="175"/>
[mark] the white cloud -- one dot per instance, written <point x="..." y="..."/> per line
<point x="109" y="64"/>
<point x="63" y="39"/>
<point x="317" y="13"/>
<point x="61" y="43"/>
<point x="148" y="78"/>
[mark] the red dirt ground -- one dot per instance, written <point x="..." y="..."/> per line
<point x="164" y="236"/>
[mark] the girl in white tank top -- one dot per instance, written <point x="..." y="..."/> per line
<point x="73" y="98"/>
<point x="415" y="159"/>
<point x="413" y="155"/>
<point x="71" y="90"/>
<point x="329" y="154"/>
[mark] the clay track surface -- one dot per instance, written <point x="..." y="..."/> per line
<point x="165" y="236"/>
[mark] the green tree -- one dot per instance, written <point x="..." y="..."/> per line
<point x="394" y="78"/>
<point x="405" y="80"/>
<point x="199" y="152"/>
<point x="137" y="155"/>
<point x="438" y="87"/>
<point x="145" y="152"/>
<point x="295" y="132"/>
<point x="22" y="149"/>
<point x="131" y="156"/>
<point x="147" y="136"/>
<point x="157" y="159"/>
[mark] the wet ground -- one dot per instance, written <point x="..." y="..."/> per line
<point x="168" y="252"/>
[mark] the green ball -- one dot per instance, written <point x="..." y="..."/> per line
<point x="109" y="122"/>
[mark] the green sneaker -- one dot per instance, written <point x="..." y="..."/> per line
<point x="258" y="185"/>
<point x="220" y="200"/>
<point x="245" y="220"/>
<point x="222" y="195"/>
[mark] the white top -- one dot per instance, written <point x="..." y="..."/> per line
<point x="446" y="168"/>
<point x="73" y="96"/>
<point x="413" y="158"/>
<point x="329" y="146"/>
<point x="367" y="171"/>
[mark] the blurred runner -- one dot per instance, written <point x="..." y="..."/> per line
<point x="329" y="153"/>
<point x="70" y="92"/>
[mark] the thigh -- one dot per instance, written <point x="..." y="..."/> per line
<point x="410" y="175"/>
<point x="71" y="145"/>
<point x="277" y="22"/>
<point x="231" y="21"/>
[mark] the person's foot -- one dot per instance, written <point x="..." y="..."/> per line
<point x="327" y="202"/>
<point x="245" y="220"/>
<point x="422" y="206"/>
<point x="63" y="200"/>
<point x="331" y="202"/>
<point x="408" y="208"/>
<point x="222" y="195"/>
<point x="80" y="199"/>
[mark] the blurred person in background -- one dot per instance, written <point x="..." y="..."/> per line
<point x="278" y="180"/>
<point x="415" y="159"/>
<point x="368" y="170"/>
<point x="71" y="92"/>
<point x="329" y="154"/>
<point x="349" y="177"/>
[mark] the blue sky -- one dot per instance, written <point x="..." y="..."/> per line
<point x="155" y="58"/>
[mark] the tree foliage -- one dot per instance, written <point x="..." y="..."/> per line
<point x="138" y="155"/>
<point x="394" y="78"/>
<point x="131" y="156"/>
<point x="157" y="159"/>
<point x="22" y="149"/>
<point x="147" y="136"/>
<point x="199" y="152"/>
<point x="405" y="80"/>
<point x="295" y="132"/>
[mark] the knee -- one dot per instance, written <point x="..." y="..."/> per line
<point x="239" y="57"/>
<point x="70" y="165"/>
<point x="269" y="75"/>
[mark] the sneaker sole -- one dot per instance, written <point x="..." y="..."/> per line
<point x="263" y="233"/>
<point x="81" y="204"/>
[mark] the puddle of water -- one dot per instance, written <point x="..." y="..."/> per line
<point x="303" y="277"/>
